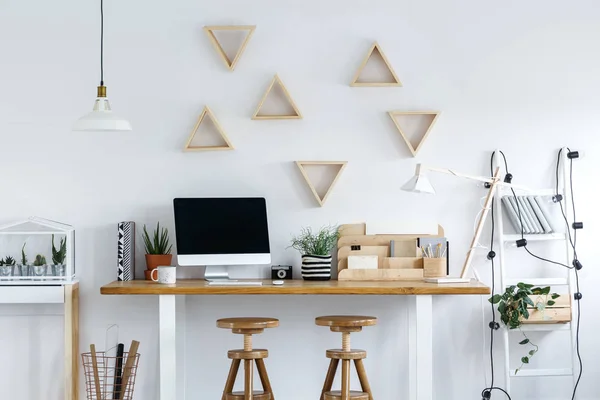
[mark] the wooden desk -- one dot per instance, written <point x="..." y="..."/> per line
<point x="420" y="318"/>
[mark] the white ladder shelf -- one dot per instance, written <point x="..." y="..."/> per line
<point x="568" y="281"/>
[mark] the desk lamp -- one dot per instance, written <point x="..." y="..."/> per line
<point x="420" y="184"/>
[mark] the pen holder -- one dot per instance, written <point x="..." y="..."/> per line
<point x="434" y="267"/>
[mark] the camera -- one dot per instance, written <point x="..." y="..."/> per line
<point x="281" y="272"/>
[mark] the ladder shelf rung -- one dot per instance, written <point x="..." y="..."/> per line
<point x="545" y="327"/>
<point x="542" y="237"/>
<point x="537" y="281"/>
<point x="526" y="373"/>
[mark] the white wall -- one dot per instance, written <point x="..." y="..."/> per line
<point x="520" y="76"/>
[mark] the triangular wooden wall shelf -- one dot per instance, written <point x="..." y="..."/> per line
<point x="356" y="79"/>
<point x="414" y="150"/>
<point x="211" y="116"/>
<point x="301" y="164"/>
<point x="276" y="80"/>
<point x="210" y="31"/>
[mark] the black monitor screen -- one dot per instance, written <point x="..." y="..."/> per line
<point x="221" y="226"/>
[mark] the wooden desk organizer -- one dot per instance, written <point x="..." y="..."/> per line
<point x="354" y="241"/>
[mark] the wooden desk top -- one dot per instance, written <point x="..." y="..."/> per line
<point x="291" y="287"/>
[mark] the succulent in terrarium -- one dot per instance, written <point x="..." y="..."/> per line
<point x="58" y="256"/>
<point x="9" y="261"/>
<point x="24" y="259"/>
<point x="39" y="260"/>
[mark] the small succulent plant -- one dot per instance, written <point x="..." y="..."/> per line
<point x="24" y="259"/>
<point x="39" y="260"/>
<point x="58" y="256"/>
<point x="9" y="261"/>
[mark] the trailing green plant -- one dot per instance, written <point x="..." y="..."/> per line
<point x="58" y="256"/>
<point x="24" y="259"/>
<point x="39" y="260"/>
<point x="159" y="244"/>
<point x="512" y="307"/>
<point x="318" y="244"/>
<point x="8" y="261"/>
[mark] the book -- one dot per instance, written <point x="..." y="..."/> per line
<point x="537" y="227"/>
<point x="512" y="214"/>
<point x="546" y="212"/>
<point x="539" y="214"/>
<point x="403" y="248"/>
<point x="126" y="251"/>
<point x="520" y="215"/>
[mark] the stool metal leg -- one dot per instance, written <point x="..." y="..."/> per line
<point x="248" y="379"/>
<point x="235" y="366"/>
<point x="333" y="365"/>
<point x="345" y="380"/>
<point x="362" y="377"/>
<point x="264" y="377"/>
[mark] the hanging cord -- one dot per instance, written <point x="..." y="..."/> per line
<point x="487" y="392"/>
<point x="101" y="42"/>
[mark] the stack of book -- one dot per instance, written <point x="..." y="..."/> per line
<point x="534" y="214"/>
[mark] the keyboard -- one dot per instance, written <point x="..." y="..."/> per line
<point x="235" y="283"/>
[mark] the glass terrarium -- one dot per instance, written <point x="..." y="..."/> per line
<point x="37" y="251"/>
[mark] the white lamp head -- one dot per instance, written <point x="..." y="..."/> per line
<point x="419" y="183"/>
<point x="102" y="117"/>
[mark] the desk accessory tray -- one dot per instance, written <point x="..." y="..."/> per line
<point x="354" y="241"/>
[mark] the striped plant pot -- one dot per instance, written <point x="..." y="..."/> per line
<point x="316" y="268"/>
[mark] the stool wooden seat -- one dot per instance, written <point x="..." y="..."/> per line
<point x="248" y="326"/>
<point x="257" y="395"/>
<point x="354" y="395"/>
<point x="346" y="324"/>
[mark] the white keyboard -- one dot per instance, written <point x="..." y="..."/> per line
<point x="235" y="283"/>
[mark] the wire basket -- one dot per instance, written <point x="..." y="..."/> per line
<point x="112" y="379"/>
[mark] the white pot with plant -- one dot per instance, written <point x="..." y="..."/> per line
<point x="39" y="266"/>
<point x="316" y="252"/>
<point x="6" y="267"/>
<point x="24" y="266"/>
<point x="58" y="257"/>
<point x="158" y="249"/>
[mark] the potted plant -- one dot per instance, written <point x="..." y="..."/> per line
<point x="39" y="266"/>
<point x="158" y="248"/>
<point x="316" y="252"/>
<point x="6" y="266"/>
<point x="24" y="266"/>
<point x="58" y="257"/>
<point x="513" y="308"/>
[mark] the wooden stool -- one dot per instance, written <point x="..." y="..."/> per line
<point x="346" y="324"/>
<point x="248" y="327"/>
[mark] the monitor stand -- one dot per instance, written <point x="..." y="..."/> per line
<point x="216" y="273"/>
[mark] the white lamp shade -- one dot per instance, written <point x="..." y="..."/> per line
<point x="101" y="119"/>
<point x="419" y="184"/>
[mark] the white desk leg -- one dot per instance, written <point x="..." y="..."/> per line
<point x="167" y="316"/>
<point x="420" y="347"/>
<point x="181" y="342"/>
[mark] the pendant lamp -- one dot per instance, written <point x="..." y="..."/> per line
<point x="101" y="118"/>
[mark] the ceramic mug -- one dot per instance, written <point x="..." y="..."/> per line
<point x="164" y="275"/>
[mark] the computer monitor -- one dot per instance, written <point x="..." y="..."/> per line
<point x="219" y="232"/>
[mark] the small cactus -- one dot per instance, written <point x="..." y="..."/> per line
<point x="23" y="255"/>
<point x="9" y="261"/>
<point x="39" y="260"/>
